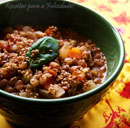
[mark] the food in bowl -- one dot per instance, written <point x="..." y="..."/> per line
<point x="49" y="62"/>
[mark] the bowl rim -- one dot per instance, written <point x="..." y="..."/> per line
<point x="85" y="94"/>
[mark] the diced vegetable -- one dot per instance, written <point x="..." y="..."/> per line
<point x="75" y="52"/>
<point x="4" y="45"/>
<point x="48" y="32"/>
<point x="56" y="90"/>
<point x="54" y="73"/>
<point x="89" y="85"/>
<point x="81" y="76"/>
<point x="45" y="93"/>
<point x="64" y="50"/>
<point x="48" y="82"/>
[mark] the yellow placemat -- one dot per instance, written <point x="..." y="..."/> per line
<point x="114" y="109"/>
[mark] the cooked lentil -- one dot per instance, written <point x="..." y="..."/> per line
<point x="80" y="66"/>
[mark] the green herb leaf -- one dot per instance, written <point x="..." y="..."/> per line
<point x="43" y="51"/>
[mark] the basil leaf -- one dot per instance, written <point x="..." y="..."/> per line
<point x="43" y="51"/>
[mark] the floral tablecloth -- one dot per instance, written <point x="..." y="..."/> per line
<point x="113" y="111"/>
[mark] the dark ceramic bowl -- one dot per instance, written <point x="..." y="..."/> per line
<point x="53" y="113"/>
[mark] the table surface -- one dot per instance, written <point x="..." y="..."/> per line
<point x="109" y="112"/>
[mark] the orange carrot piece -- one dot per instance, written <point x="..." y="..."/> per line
<point x="49" y="32"/>
<point x="81" y="77"/>
<point x="47" y="84"/>
<point x="75" y="52"/>
<point x="54" y="73"/>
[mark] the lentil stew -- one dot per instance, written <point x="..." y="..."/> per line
<point x="49" y="62"/>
